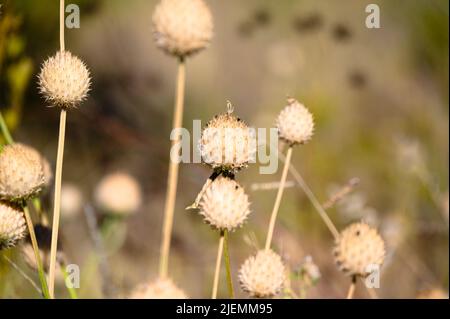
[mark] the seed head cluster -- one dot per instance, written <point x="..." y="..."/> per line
<point x="12" y="226"/>
<point x="161" y="288"/>
<point x="295" y="123"/>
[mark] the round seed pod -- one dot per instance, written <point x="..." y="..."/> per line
<point x="71" y="201"/>
<point x="227" y="143"/>
<point x="64" y="80"/>
<point x="12" y="226"/>
<point x="224" y="205"/>
<point x="359" y="248"/>
<point x="118" y="193"/>
<point x="158" y="289"/>
<point x="182" y="27"/>
<point x="295" y="123"/>
<point x="21" y="173"/>
<point x="263" y="274"/>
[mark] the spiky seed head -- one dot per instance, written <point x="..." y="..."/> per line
<point x="358" y="249"/>
<point x="21" y="173"/>
<point x="118" y="193"/>
<point x="12" y="226"/>
<point x="224" y="205"/>
<point x="64" y="80"/>
<point x="161" y="288"/>
<point x="295" y="123"/>
<point x="182" y="27"/>
<point x="263" y="274"/>
<point x="227" y="143"/>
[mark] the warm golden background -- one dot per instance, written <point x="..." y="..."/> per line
<point x="380" y="100"/>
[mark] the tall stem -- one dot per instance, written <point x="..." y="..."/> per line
<point x="227" y="265"/>
<point x="218" y="262"/>
<point x="37" y="256"/>
<point x="57" y="201"/>
<point x="351" y="289"/>
<point x="61" y="25"/>
<point x="172" y="178"/>
<point x="278" y="198"/>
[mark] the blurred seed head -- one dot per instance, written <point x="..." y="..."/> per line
<point x="118" y="193"/>
<point x="435" y="293"/>
<point x="309" y="270"/>
<point x="295" y="123"/>
<point x="263" y="274"/>
<point x="224" y="204"/>
<point x="21" y="172"/>
<point x="12" y="226"/>
<point x="227" y="143"/>
<point x="161" y="288"/>
<point x="359" y="246"/>
<point x="71" y="200"/>
<point x="64" y="80"/>
<point x="182" y="27"/>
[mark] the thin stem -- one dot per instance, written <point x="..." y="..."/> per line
<point x="172" y="178"/>
<point x="312" y="198"/>
<point x="351" y="289"/>
<point x="278" y="198"/>
<point x="57" y="203"/>
<point x="72" y="291"/>
<point x="227" y="265"/>
<point x="23" y="274"/>
<point x="5" y="130"/>
<point x="34" y="244"/>
<point x="61" y="25"/>
<point x="218" y="262"/>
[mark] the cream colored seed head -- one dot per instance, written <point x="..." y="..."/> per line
<point x="118" y="193"/>
<point x="64" y="80"/>
<point x="295" y="123"/>
<point x="182" y="27"/>
<point x="262" y="275"/>
<point x="358" y="249"/>
<point x="12" y="226"/>
<point x="227" y="143"/>
<point x="224" y="205"/>
<point x="71" y="200"/>
<point x="159" y="289"/>
<point x="434" y="293"/>
<point x="21" y="172"/>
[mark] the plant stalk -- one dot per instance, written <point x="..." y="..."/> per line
<point x="172" y="178"/>
<point x="278" y="198"/>
<point x="218" y="262"/>
<point x="351" y="289"/>
<point x="57" y="202"/>
<point x="227" y="265"/>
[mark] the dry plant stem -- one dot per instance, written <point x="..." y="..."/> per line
<point x="57" y="201"/>
<point x="34" y="244"/>
<point x="172" y="178"/>
<point x="23" y="274"/>
<point x="218" y="262"/>
<point x="273" y="217"/>
<point x="351" y="289"/>
<point x="312" y="198"/>
<point x="228" y="266"/>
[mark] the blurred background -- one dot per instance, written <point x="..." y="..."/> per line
<point x="379" y="97"/>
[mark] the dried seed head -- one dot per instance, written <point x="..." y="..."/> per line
<point x="71" y="200"/>
<point x="262" y="275"/>
<point x="224" y="204"/>
<point x="118" y="193"/>
<point x="21" y="172"/>
<point x="159" y="289"/>
<point x="295" y="123"/>
<point x="358" y="249"/>
<point x="182" y="27"/>
<point x="64" y="80"/>
<point x="227" y="143"/>
<point x="12" y="226"/>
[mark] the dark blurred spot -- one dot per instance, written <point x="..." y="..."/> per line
<point x="308" y="23"/>
<point x="357" y="79"/>
<point x="246" y="28"/>
<point x="43" y="237"/>
<point x="341" y="33"/>
<point x="262" y="17"/>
